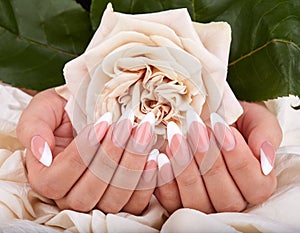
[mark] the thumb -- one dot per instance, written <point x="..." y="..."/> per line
<point x="39" y="120"/>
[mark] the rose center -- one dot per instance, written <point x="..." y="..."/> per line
<point x="157" y="92"/>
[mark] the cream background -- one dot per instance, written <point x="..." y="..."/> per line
<point x="22" y="210"/>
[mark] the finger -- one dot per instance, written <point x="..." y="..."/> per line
<point x="42" y="116"/>
<point x="197" y="135"/>
<point x="143" y="193"/>
<point x="246" y="172"/>
<point x="262" y="133"/>
<point x="130" y="168"/>
<point x="186" y="172"/>
<point x="100" y="171"/>
<point x="167" y="192"/>
<point x="258" y="125"/>
<point x="198" y="140"/>
<point x="223" y="192"/>
<point x="69" y="165"/>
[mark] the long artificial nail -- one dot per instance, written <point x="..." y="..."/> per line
<point x="177" y="144"/>
<point x="222" y="132"/>
<point x="199" y="140"/>
<point x="41" y="150"/>
<point x="102" y="125"/>
<point x="123" y="128"/>
<point x="127" y="115"/>
<point x="145" y="129"/>
<point x="151" y="164"/>
<point x="165" y="169"/>
<point x="267" y="157"/>
<point x="172" y="130"/>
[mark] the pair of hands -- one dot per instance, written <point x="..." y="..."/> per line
<point x="118" y="175"/>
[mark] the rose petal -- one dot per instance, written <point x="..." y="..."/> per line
<point x="216" y="37"/>
<point x="94" y="57"/>
<point x="160" y="62"/>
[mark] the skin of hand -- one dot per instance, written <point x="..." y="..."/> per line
<point x="230" y="183"/>
<point x="87" y="170"/>
<point x="218" y="175"/>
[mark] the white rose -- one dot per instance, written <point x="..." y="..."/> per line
<point x="160" y="62"/>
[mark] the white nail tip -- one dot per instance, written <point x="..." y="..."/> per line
<point x="46" y="157"/>
<point x="153" y="155"/>
<point x="105" y="117"/>
<point x="216" y="118"/>
<point x="150" y="117"/>
<point x="172" y="129"/>
<point x="192" y="116"/>
<point x="265" y="164"/>
<point x="128" y="114"/>
<point x="162" y="159"/>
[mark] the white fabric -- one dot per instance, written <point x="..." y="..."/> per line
<point x="21" y="208"/>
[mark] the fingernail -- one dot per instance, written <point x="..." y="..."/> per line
<point x="145" y="129"/>
<point x="123" y="128"/>
<point x="199" y="139"/>
<point x="222" y="132"/>
<point x="267" y="157"/>
<point x="172" y="130"/>
<point x="177" y="144"/>
<point x="165" y="169"/>
<point x="151" y="166"/>
<point x="101" y="127"/>
<point x="41" y="150"/>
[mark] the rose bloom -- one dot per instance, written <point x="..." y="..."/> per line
<point x="160" y="62"/>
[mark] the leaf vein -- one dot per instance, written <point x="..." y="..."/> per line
<point x="47" y="46"/>
<point x="262" y="47"/>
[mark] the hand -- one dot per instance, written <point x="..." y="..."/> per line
<point x="83" y="167"/>
<point x="220" y="170"/>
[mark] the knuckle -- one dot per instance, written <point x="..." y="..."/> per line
<point x="76" y="161"/>
<point x="240" y="165"/>
<point x="109" y="208"/>
<point x="216" y="170"/>
<point x="167" y="194"/>
<point x="114" y="203"/>
<point x="140" y="204"/>
<point x="107" y="162"/>
<point x="189" y="180"/>
<point x="233" y="206"/>
<point x="45" y="188"/>
<point x="79" y="204"/>
<point x="265" y="191"/>
<point x="137" y="208"/>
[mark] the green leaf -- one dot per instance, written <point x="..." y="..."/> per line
<point x="265" y="50"/>
<point x="37" y="38"/>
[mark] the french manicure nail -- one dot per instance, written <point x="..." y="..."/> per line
<point x="199" y="140"/>
<point x="145" y="129"/>
<point x="41" y="150"/>
<point x="127" y="115"/>
<point x="222" y="132"/>
<point x="153" y="155"/>
<point x="165" y="169"/>
<point x="150" y="170"/>
<point x="172" y="130"/>
<point x="177" y="144"/>
<point x="123" y="127"/>
<point x="267" y="157"/>
<point x="101" y="126"/>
